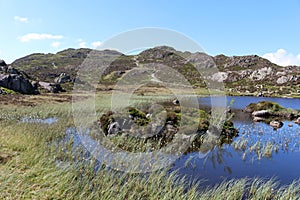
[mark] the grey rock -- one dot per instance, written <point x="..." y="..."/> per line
<point x="260" y="113"/>
<point x="2" y="63"/>
<point x="51" y="87"/>
<point x="12" y="70"/>
<point x="18" y="83"/>
<point x="62" y="78"/>
<point x="282" y="80"/>
<point x="261" y="74"/>
<point x="297" y="121"/>
<point x="219" y="76"/>
<point x="258" y="119"/>
<point x="113" y="128"/>
<point x="276" y="124"/>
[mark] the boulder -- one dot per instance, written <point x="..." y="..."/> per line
<point x="298" y="121"/>
<point x="261" y="113"/>
<point x="2" y="63"/>
<point x="18" y="83"/>
<point x="276" y="124"/>
<point x="176" y="102"/>
<point x="113" y="128"/>
<point x="12" y="70"/>
<point x="2" y="91"/>
<point x="282" y="80"/>
<point x="62" y="78"/>
<point x="51" y="87"/>
<point x="258" y="119"/>
<point x="3" y="66"/>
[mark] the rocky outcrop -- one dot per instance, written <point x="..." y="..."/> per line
<point x="18" y="83"/>
<point x="51" y="87"/>
<point x="261" y="113"/>
<point x="62" y="78"/>
<point x="261" y="74"/>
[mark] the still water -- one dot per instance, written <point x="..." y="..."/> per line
<point x="252" y="158"/>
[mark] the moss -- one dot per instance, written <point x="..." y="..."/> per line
<point x="264" y="105"/>
<point x="139" y="116"/>
<point x="7" y="91"/>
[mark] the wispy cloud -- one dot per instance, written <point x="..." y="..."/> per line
<point x="282" y="57"/>
<point x="81" y="43"/>
<point x="96" y="44"/>
<point x="36" y="36"/>
<point x="55" y="44"/>
<point x="21" y="19"/>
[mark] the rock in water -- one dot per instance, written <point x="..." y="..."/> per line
<point x="298" y="121"/>
<point x="276" y="124"/>
<point x="260" y="113"/>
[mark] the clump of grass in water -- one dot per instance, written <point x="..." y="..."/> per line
<point x="33" y="172"/>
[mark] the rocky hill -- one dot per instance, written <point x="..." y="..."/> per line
<point x="247" y="75"/>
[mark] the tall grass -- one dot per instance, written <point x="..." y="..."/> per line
<point x="40" y="166"/>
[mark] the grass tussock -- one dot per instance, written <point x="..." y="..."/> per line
<point x="38" y="165"/>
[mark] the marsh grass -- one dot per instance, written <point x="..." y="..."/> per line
<point x="41" y="166"/>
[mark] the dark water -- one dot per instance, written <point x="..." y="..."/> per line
<point x="229" y="162"/>
<point x="233" y="161"/>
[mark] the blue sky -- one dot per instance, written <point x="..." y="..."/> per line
<point x="266" y="28"/>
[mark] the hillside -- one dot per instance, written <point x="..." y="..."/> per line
<point x="247" y="75"/>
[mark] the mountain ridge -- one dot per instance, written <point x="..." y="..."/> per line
<point x="249" y="74"/>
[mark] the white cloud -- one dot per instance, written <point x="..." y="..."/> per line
<point x="55" y="44"/>
<point x="282" y="57"/>
<point x="21" y="19"/>
<point x="96" y="44"/>
<point x="81" y="43"/>
<point x="36" y="36"/>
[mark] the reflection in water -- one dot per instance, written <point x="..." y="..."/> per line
<point x="30" y="119"/>
<point x="258" y="151"/>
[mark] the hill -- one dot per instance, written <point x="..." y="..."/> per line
<point x="248" y="75"/>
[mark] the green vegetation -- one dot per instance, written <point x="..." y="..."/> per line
<point x="35" y="163"/>
<point x="7" y="91"/>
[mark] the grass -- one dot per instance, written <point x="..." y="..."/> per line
<point x="38" y="166"/>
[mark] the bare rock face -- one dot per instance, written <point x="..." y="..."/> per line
<point x="3" y="66"/>
<point x="18" y="83"/>
<point x="62" y="78"/>
<point x="51" y="87"/>
<point x="282" y="80"/>
<point x="261" y="74"/>
<point x="219" y="77"/>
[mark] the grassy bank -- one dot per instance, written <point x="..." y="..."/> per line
<point x="35" y="165"/>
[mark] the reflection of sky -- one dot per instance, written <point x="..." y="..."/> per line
<point x="240" y="102"/>
<point x="228" y="163"/>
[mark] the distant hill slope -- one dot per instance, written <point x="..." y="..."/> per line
<point x="249" y="74"/>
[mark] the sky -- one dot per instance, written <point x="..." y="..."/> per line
<point x="268" y="28"/>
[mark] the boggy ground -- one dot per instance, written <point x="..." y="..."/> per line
<point x="35" y="164"/>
